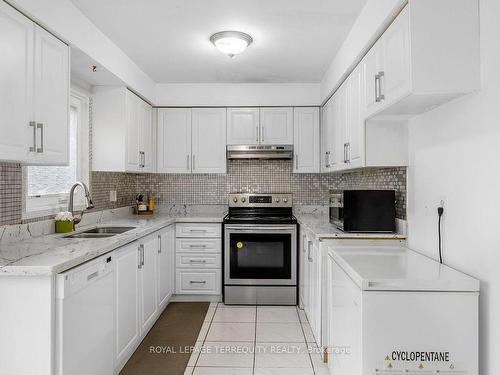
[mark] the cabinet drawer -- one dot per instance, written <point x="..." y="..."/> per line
<point x="201" y="230"/>
<point x="198" y="260"/>
<point x="190" y="281"/>
<point x="198" y="245"/>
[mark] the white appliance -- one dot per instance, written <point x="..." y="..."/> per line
<point x="84" y="319"/>
<point x="394" y="311"/>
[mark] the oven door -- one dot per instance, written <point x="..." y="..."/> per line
<point x="260" y="255"/>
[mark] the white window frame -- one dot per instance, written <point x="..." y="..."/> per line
<point x="51" y="204"/>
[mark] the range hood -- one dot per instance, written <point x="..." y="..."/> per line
<point x="260" y="152"/>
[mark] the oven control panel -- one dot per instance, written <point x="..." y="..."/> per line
<point x="260" y="200"/>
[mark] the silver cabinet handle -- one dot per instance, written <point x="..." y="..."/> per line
<point x="142" y="255"/>
<point x="194" y="162"/>
<point x="348" y="152"/>
<point x="187" y="162"/>
<point x="378" y="87"/>
<point x="33" y="124"/>
<point x="197" y="246"/>
<point x="297" y="161"/>
<point x="258" y="133"/>
<point x="309" y="251"/>
<point x="159" y="244"/>
<point x="139" y="249"/>
<point x="198" y="230"/>
<point x="327" y="159"/>
<point x="197" y="261"/>
<point x="345" y="153"/>
<point x="262" y="133"/>
<point x="197" y="282"/>
<point x="144" y="159"/>
<point x="40" y="126"/>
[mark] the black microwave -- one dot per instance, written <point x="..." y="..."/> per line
<point x="363" y="210"/>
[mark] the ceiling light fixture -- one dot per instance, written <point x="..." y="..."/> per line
<point x="231" y="42"/>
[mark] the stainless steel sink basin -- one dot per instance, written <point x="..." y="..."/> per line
<point x="100" y="232"/>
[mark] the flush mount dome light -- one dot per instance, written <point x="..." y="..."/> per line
<point x="231" y="42"/>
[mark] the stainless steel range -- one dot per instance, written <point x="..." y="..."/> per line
<point x="260" y="250"/>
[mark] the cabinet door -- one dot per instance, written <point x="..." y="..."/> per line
<point x="396" y="82"/>
<point x="149" y="306"/>
<point x="303" y="275"/>
<point x="315" y="276"/>
<point x="51" y="98"/>
<point x="174" y="140"/>
<point x="134" y="123"/>
<point x="16" y="90"/>
<point x="306" y="140"/>
<point x="209" y="140"/>
<point x="342" y="116"/>
<point x="126" y="300"/>
<point x="243" y="126"/>
<point x="329" y="135"/>
<point x="146" y="144"/>
<point x="356" y="124"/>
<point x="373" y="65"/>
<point x="276" y="126"/>
<point x="166" y="245"/>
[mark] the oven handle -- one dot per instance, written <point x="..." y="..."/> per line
<point x="259" y="228"/>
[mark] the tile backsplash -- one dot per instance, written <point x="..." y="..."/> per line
<point x="270" y="176"/>
<point x="267" y="176"/>
<point x="11" y="193"/>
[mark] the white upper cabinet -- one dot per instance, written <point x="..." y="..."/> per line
<point x="51" y="96"/>
<point x="306" y="140"/>
<point x="122" y="131"/>
<point x="209" y="140"/>
<point x="34" y="109"/>
<point x="252" y="126"/>
<point x="192" y="140"/>
<point x="428" y="55"/>
<point x="174" y="140"/>
<point x="243" y="126"/>
<point x="276" y="126"/>
<point x="329" y="135"/>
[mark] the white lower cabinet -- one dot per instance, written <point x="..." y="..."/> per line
<point x="144" y="277"/>
<point x="148" y="247"/>
<point x="198" y="259"/>
<point x="166" y="252"/>
<point x="311" y="289"/>
<point x="126" y="302"/>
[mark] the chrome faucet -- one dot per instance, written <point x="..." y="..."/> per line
<point x="90" y="205"/>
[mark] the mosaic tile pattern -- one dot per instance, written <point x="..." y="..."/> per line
<point x="103" y="182"/>
<point x="11" y="193"/>
<point x="245" y="176"/>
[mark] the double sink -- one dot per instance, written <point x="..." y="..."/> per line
<point x="100" y="232"/>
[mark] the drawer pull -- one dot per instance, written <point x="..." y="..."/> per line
<point x="197" y="282"/>
<point x="198" y="230"/>
<point x="197" y="261"/>
<point x="197" y="246"/>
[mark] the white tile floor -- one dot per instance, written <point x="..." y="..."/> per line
<point x="263" y="340"/>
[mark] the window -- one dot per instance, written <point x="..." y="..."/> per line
<point x="47" y="188"/>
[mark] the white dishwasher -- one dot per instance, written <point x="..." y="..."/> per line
<point x="84" y="318"/>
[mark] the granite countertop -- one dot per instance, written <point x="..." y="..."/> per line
<point x="51" y="254"/>
<point x="318" y="223"/>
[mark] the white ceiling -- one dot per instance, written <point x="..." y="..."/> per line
<point x="294" y="40"/>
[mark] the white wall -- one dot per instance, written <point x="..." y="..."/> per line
<point x="455" y="156"/>
<point x="373" y="19"/>
<point x="66" y="21"/>
<point x="222" y="94"/>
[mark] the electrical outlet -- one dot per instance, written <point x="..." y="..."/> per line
<point x="112" y="195"/>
